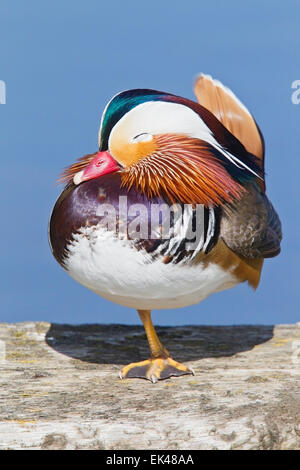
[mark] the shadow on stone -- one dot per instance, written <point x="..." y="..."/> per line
<point x="121" y="344"/>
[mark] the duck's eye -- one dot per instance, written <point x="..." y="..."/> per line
<point x="144" y="137"/>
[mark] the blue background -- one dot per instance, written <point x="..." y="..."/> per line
<point x="62" y="61"/>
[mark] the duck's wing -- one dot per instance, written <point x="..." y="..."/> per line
<point x="232" y="113"/>
<point x="251" y="227"/>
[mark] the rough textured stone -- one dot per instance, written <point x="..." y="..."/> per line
<point x="60" y="388"/>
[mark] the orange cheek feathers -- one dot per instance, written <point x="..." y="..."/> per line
<point x="128" y="153"/>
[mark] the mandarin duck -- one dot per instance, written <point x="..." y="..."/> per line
<point x="200" y="165"/>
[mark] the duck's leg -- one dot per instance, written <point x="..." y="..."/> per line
<point x="160" y="365"/>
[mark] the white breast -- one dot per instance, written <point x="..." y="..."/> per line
<point x="116" y="270"/>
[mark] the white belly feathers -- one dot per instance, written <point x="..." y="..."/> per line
<point x="117" y="271"/>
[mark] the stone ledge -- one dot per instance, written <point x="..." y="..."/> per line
<point x="60" y="388"/>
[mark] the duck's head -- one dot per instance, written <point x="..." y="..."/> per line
<point x="163" y="144"/>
